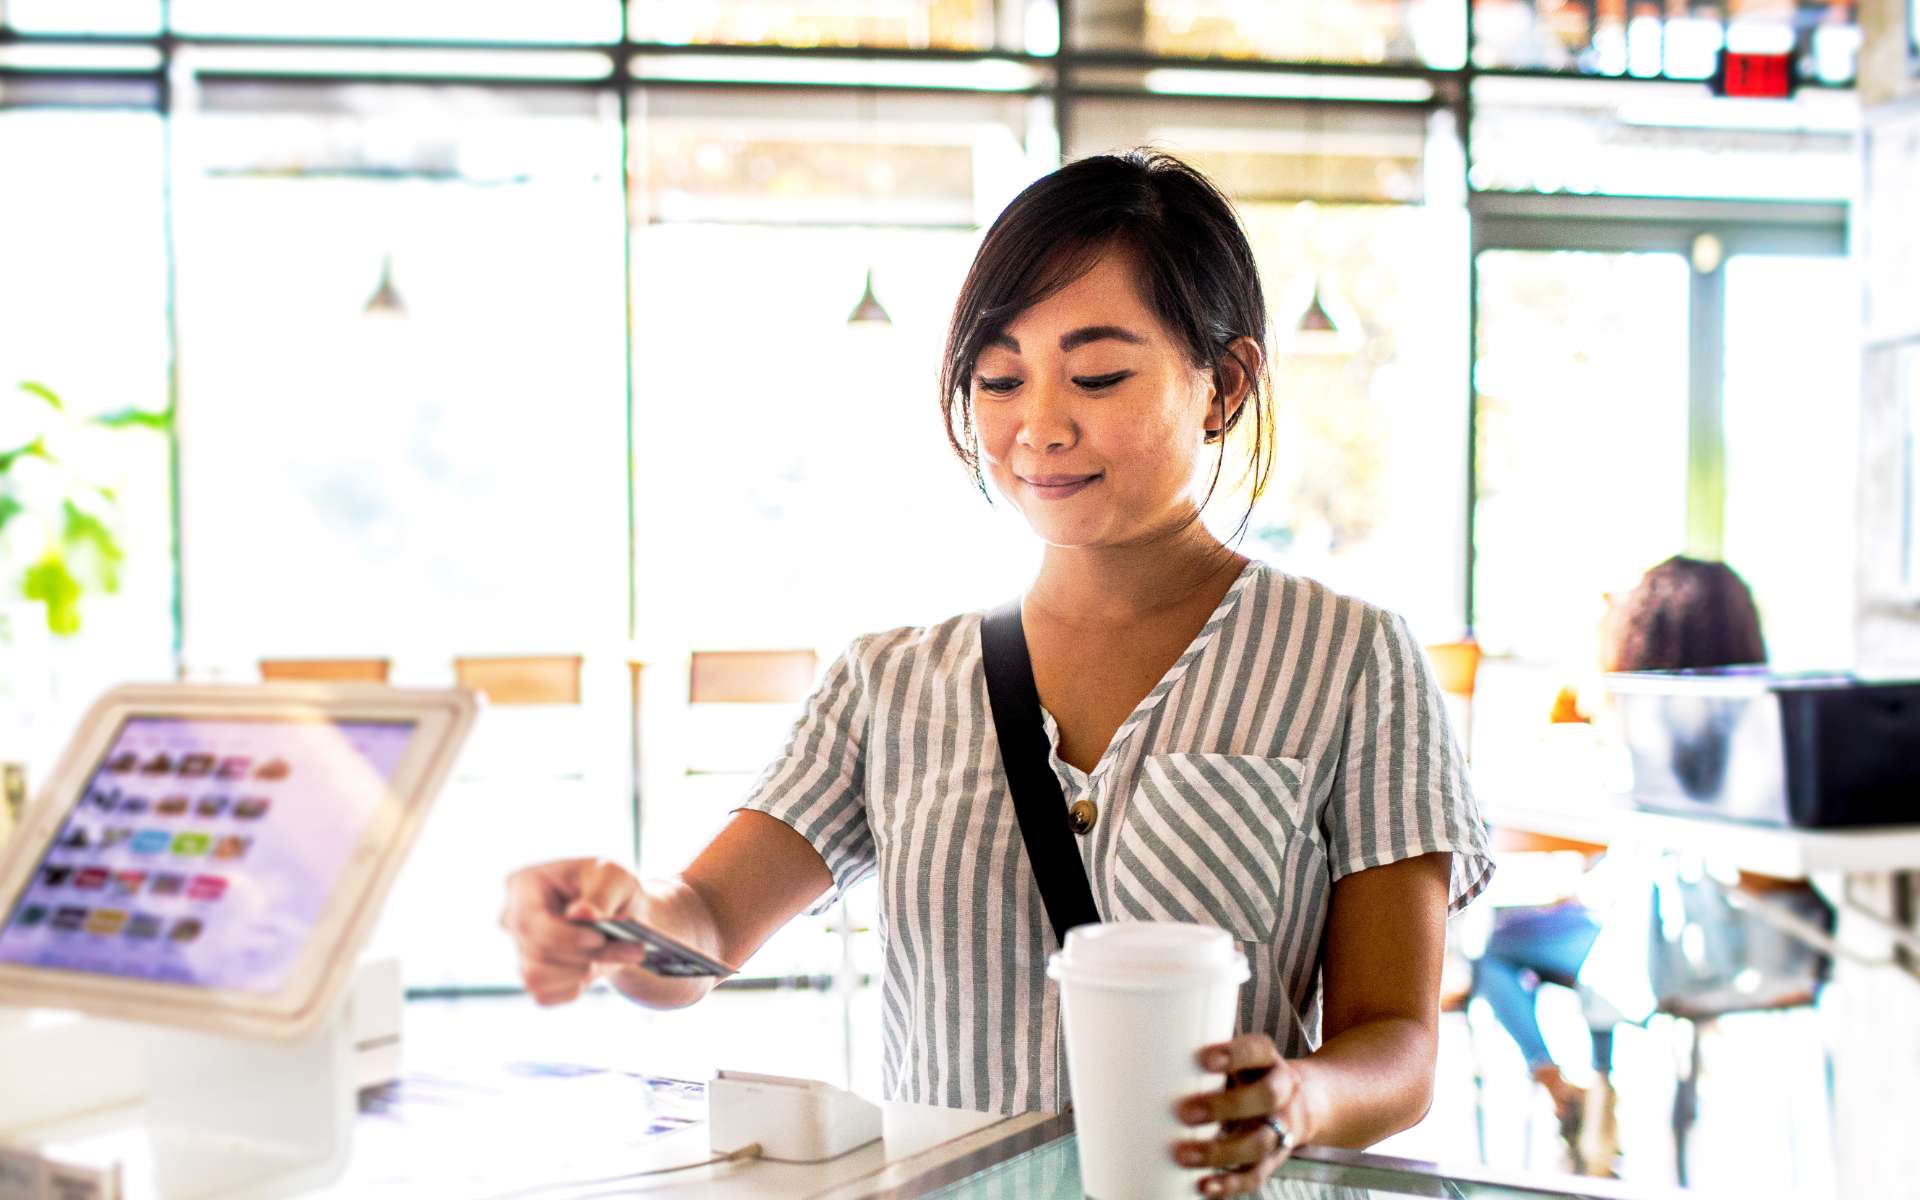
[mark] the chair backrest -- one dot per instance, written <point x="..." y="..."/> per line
<point x="750" y="676"/>
<point x="1456" y="668"/>
<point x="326" y="670"/>
<point x="522" y="678"/>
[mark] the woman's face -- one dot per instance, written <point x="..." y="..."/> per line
<point x="1089" y="414"/>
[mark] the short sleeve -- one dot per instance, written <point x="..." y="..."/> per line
<point x="816" y="784"/>
<point x="1400" y="788"/>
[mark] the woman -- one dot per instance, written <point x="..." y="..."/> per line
<point x="1261" y="754"/>
<point x="1684" y="613"/>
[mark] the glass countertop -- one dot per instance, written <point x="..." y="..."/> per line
<point x="1044" y="1164"/>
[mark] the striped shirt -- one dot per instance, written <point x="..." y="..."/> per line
<point x="1300" y="737"/>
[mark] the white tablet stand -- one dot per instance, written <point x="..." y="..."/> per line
<point x="235" y="1117"/>
<point x="227" y="1116"/>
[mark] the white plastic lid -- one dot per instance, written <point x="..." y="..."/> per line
<point x="1148" y="955"/>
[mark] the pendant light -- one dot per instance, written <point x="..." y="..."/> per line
<point x="1325" y="325"/>
<point x="385" y="301"/>
<point x="869" y="311"/>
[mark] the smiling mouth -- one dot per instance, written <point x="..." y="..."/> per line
<point x="1058" y="481"/>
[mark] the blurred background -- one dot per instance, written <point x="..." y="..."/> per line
<point x="585" y="352"/>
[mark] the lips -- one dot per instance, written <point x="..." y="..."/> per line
<point x="1069" y="485"/>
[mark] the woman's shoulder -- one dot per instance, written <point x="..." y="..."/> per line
<point x="1296" y="608"/>
<point x="942" y="643"/>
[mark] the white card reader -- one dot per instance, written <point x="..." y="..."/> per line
<point x="793" y="1120"/>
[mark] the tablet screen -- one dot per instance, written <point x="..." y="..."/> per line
<point x="203" y="850"/>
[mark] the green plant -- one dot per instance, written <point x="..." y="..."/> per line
<point x="58" y="536"/>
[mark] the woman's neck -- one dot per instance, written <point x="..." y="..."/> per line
<point x="1130" y="584"/>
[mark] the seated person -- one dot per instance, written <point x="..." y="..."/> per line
<point x="1684" y="613"/>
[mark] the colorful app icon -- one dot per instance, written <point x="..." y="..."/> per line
<point x="75" y="839"/>
<point x="159" y="764"/>
<point x="116" y="836"/>
<point x="144" y="926"/>
<point x="105" y="922"/>
<point x="207" y="887"/>
<point x="172" y="806"/>
<point x="152" y="841"/>
<point x="234" y="768"/>
<point x="133" y="806"/>
<point x="31" y="915"/>
<point x="212" y="806"/>
<point x="69" y="920"/>
<point x="196" y="766"/>
<point x="122" y="763"/>
<point x="191" y="845"/>
<point x="126" y="883"/>
<point x="166" y="883"/>
<point x="252" y="808"/>
<point x="273" y="770"/>
<point x="55" y="876"/>
<point x="231" y="847"/>
<point x="185" y="930"/>
<point x="90" y="879"/>
<point x="103" y="799"/>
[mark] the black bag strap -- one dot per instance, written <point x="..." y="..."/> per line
<point x="1037" y="801"/>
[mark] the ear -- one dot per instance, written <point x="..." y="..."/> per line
<point x="1238" y="380"/>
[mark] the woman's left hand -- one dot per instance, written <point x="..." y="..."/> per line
<point x="1260" y="1084"/>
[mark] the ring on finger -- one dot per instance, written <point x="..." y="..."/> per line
<point x="1282" y="1136"/>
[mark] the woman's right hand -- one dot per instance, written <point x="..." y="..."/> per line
<point x="559" y="959"/>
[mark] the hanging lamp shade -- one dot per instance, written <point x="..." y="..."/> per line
<point x="1315" y="318"/>
<point x="869" y="311"/>
<point x="385" y="301"/>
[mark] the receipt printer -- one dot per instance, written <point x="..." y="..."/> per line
<point x="1808" y="750"/>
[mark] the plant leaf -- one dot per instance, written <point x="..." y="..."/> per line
<point x="92" y="546"/>
<point x="44" y="392"/>
<point x="37" y="448"/>
<point x="9" y="509"/>
<point x="49" y="582"/>
<point x="134" y="418"/>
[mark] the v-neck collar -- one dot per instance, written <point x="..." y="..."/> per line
<point x="1145" y="708"/>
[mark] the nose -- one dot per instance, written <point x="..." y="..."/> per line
<point x="1046" y="419"/>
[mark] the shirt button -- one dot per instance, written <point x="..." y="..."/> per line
<point x="1082" y="815"/>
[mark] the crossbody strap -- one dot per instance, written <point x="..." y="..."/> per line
<point x="1037" y="802"/>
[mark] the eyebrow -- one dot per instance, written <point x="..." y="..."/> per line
<point x="1077" y="338"/>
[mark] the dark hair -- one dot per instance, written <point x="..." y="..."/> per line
<point x="1197" y="275"/>
<point x="1684" y="613"/>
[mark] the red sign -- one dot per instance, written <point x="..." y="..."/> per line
<point x="1757" y="76"/>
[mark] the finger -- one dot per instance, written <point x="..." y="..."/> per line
<point x="533" y="906"/>
<point x="1232" y="1149"/>
<point x="1246" y="1052"/>
<point x="542" y="936"/>
<point x="1256" y="1099"/>
<point x="550" y="984"/>
<point x="606" y="888"/>
<point x="1239" y="1183"/>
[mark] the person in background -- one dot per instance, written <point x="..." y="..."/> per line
<point x="1684" y="613"/>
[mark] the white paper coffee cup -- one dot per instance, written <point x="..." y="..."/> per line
<point x="1138" y="999"/>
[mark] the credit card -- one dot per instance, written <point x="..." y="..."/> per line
<point x="665" y="955"/>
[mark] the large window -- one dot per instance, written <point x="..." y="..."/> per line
<point x="84" y="315"/>
<point x="459" y="441"/>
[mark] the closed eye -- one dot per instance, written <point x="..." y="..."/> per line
<point x="1001" y="385"/>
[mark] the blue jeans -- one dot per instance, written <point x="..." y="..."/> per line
<point x="1530" y="946"/>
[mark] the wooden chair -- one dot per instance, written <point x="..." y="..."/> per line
<point x="1456" y="668"/>
<point x="751" y="676"/>
<point x="326" y="670"/>
<point x="522" y="678"/>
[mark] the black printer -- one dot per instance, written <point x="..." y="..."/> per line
<point x="1815" y="750"/>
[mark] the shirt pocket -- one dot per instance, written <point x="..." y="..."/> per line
<point x="1213" y="838"/>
